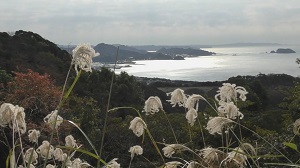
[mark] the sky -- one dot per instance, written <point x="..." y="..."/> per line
<point x="155" y="22"/>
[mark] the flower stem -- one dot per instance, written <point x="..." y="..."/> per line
<point x="107" y="109"/>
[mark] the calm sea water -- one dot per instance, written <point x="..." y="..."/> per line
<point x="228" y="62"/>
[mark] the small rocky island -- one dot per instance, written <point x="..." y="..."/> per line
<point x="283" y="51"/>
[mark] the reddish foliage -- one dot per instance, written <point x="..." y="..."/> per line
<point x="36" y="93"/>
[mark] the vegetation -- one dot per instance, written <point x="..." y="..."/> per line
<point x="103" y="104"/>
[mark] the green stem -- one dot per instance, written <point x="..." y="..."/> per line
<point x="170" y="126"/>
<point x="69" y="90"/>
<point x="107" y="109"/>
<point x="265" y="141"/>
<point x="201" y="130"/>
<point x="57" y="108"/>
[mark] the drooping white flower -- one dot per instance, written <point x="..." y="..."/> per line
<point x="14" y="116"/>
<point x="136" y="150"/>
<point x="6" y="114"/>
<point x="82" y="57"/>
<point x="177" y="97"/>
<point x="44" y="149"/>
<point x="237" y="157"/>
<point x="50" y="166"/>
<point x="152" y="105"/>
<point x="33" y="135"/>
<point x="34" y="157"/>
<point x="170" y="149"/>
<point x="137" y="125"/>
<point x="172" y="164"/>
<point x="50" y="119"/>
<point x="230" y="110"/>
<point x="210" y="154"/>
<point x="191" y="116"/>
<point x="70" y="142"/>
<point x="296" y="127"/>
<point x="112" y="164"/>
<point x="59" y="155"/>
<point x="77" y="163"/>
<point x="217" y="124"/>
<point x="193" y="101"/>
<point x="18" y="120"/>
<point x="229" y="92"/>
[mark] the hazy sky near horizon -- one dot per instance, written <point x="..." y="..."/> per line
<point x="165" y="22"/>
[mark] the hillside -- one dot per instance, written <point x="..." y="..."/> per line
<point x="28" y="50"/>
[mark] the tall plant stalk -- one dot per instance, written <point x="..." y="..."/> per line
<point x="107" y="109"/>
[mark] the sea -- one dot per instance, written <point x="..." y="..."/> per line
<point x="228" y="62"/>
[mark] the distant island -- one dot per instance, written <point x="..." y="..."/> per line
<point x="283" y="51"/>
<point x="185" y="52"/>
<point x="127" y="53"/>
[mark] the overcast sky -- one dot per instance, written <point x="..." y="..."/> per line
<point x="139" y="22"/>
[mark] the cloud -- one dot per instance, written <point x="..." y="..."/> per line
<point x="155" y="21"/>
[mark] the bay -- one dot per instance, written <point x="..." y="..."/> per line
<point x="228" y="62"/>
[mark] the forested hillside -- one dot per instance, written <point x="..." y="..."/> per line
<point x="28" y="50"/>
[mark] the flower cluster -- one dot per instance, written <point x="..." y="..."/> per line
<point x="53" y="119"/>
<point x="170" y="149"/>
<point x="229" y="93"/>
<point x="82" y="57"/>
<point x="14" y="116"/>
<point x="137" y="125"/>
<point x="136" y="150"/>
<point x="152" y="105"/>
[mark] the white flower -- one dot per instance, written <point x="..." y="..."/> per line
<point x="50" y="119"/>
<point x="237" y="156"/>
<point x="296" y="127"/>
<point x="191" y="116"/>
<point x="59" y="155"/>
<point x="34" y="157"/>
<point x="31" y="166"/>
<point x="82" y="57"/>
<point x="6" y="113"/>
<point x="229" y="92"/>
<point x="210" y="154"/>
<point x="77" y="163"/>
<point x="177" y="97"/>
<point x="137" y="125"/>
<point x="193" y="101"/>
<point x="152" y="105"/>
<point x="172" y="164"/>
<point x="14" y="116"/>
<point x="217" y="124"/>
<point x="18" y="120"/>
<point x="44" y="149"/>
<point x="169" y="150"/>
<point x="230" y="110"/>
<point x="136" y="150"/>
<point x="193" y="164"/>
<point x="50" y="166"/>
<point x="112" y="164"/>
<point x="33" y="135"/>
<point x="70" y="141"/>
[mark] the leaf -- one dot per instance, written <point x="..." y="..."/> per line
<point x="291" y="145"/>
<point x="85" y="152"/>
